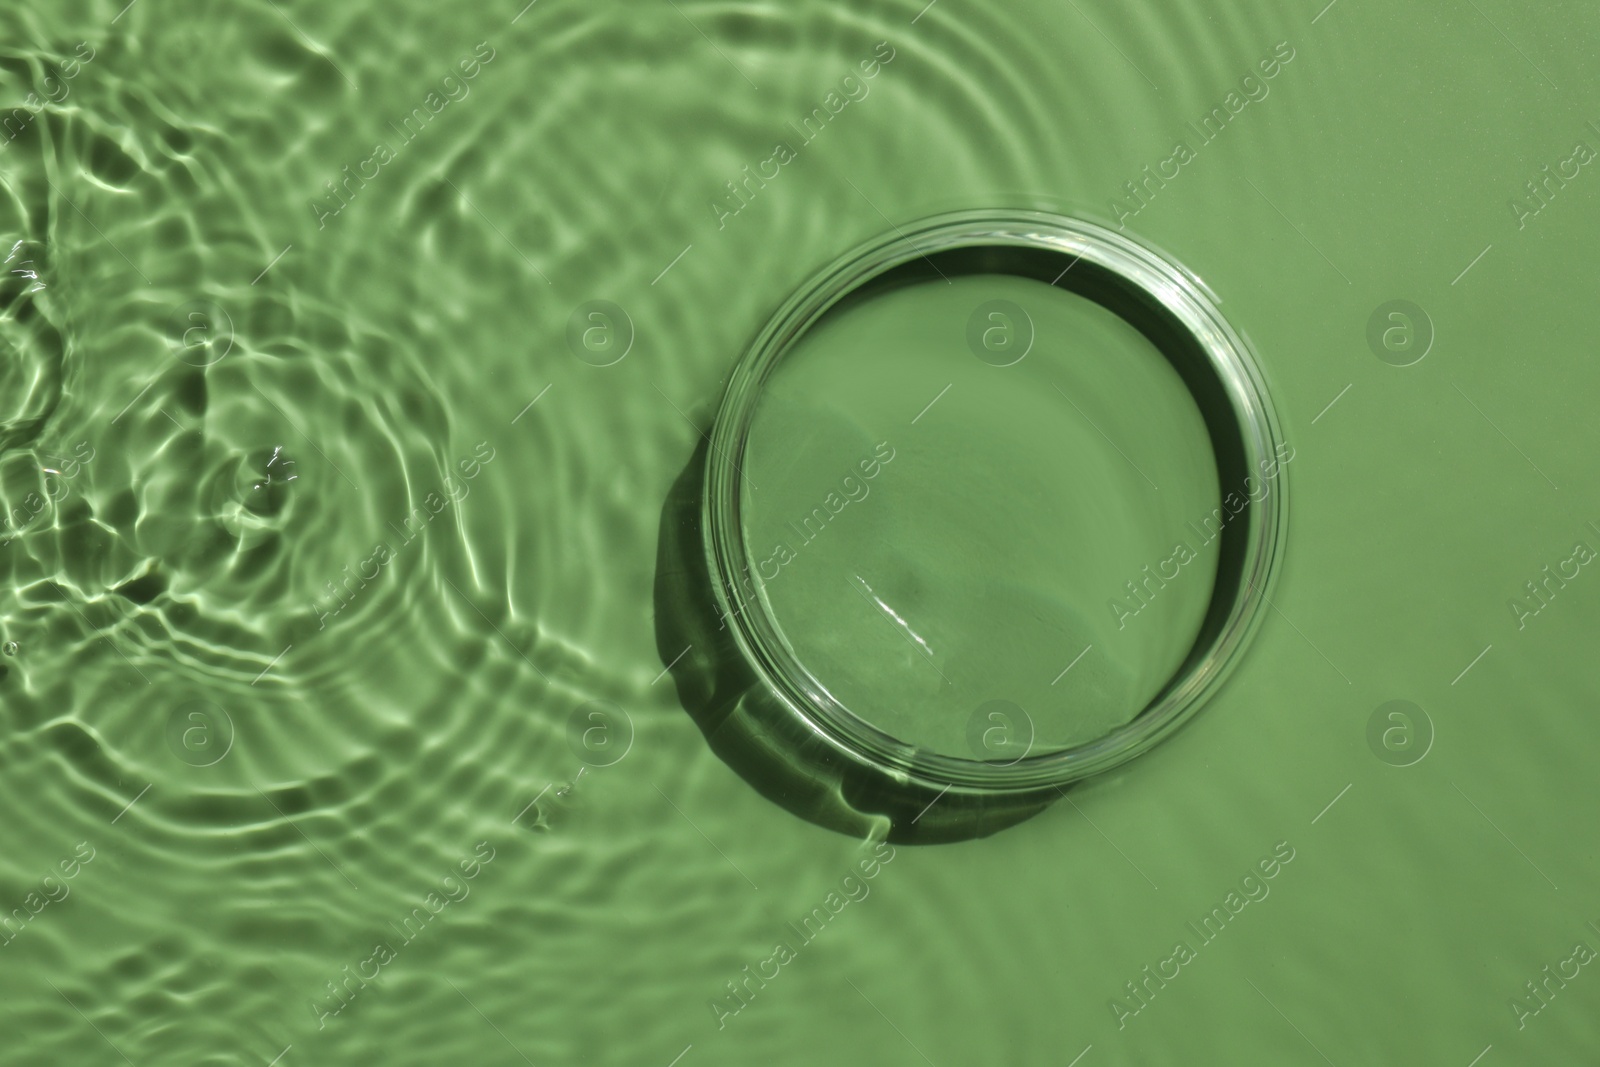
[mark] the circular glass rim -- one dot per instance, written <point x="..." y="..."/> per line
<point x="756" y="631"/>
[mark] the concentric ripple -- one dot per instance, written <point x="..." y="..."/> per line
<point x="326" y="585"/>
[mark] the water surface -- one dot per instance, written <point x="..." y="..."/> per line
<point x="294" y="439"/>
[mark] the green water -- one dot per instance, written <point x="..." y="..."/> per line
<point x="937" y="525"/>
<point x="335" y="727"/>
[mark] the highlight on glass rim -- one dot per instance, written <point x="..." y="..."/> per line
<point x="688" y="533"/>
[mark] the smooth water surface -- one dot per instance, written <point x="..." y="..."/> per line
<point x="934" y="519"/>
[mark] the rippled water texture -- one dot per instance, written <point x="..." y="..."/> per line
<point x="335" y="728"/>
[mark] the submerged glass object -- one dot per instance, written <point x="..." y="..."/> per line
<point x="980" y="444"/>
